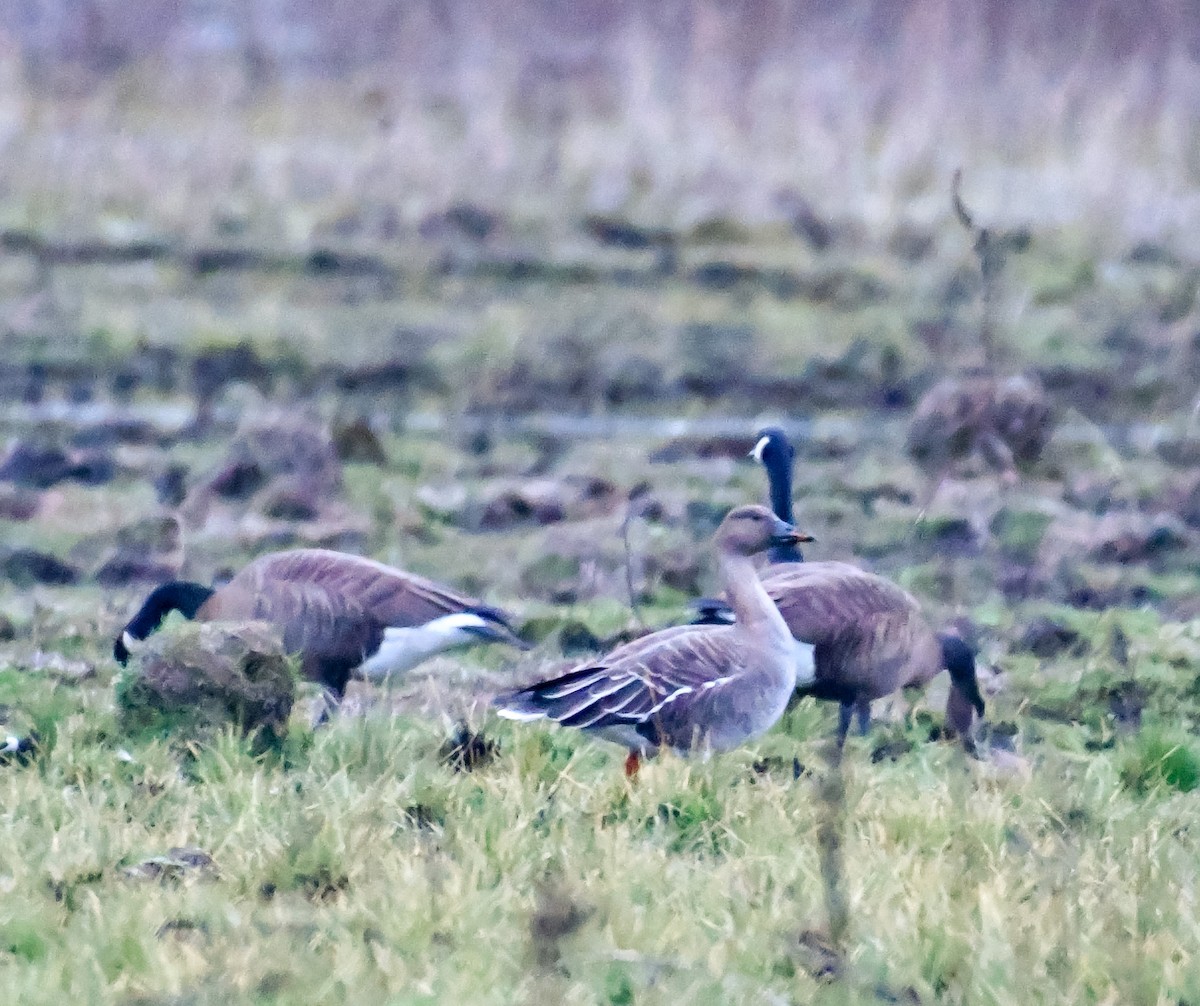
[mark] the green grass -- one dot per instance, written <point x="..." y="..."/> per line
<point x="353" y="865"/>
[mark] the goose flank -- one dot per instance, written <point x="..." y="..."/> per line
<point x="688" y="687"/>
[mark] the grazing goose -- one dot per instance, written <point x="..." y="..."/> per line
<point x="871" y="639"/>
<point x="342" y="614"/>
<point x="870" y="635"/>
<point x="711" y="687"/>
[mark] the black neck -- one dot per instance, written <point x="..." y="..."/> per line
<point x="178" y="595"/>
<point x="779" y="478"/>
<point x="958" y="659"/>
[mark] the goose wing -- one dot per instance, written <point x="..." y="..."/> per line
<point x="664" y="688"/>
<point x="351" y="584"/>
<point x="822" y="601"/>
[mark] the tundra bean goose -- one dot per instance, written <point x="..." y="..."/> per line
<point x="688" y="687"/>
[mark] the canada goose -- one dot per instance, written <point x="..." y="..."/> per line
<point x="688" y="686"/>
<point x="871" y="639"/>
<point x="870" y="635"/>
<point x="341" y="613"/>
<point x="775" y="453"/>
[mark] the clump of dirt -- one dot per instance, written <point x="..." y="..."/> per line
<point x="27" y="566"/>
<point x="177" y="864"/>
<point x="278" y="446"/>
<point x="18" y="504"/>
<point x="1004" y="423"/>
<point x="1046" y="637"/>
<point x="357" y="442"/>
<point x="197" y="678"/>
<point x="149" y="550"/>
<point x="39" y="466"/>
<point x="280" y="482"/>
<point x="556" y="916"/>
<point x="542" y="501"/>
<point x="466" y="750"/>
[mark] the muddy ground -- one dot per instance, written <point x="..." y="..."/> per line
<point x="468" y="404"/>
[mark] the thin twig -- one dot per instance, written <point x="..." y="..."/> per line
<point x="991" y="258"/>
<point x="632" y="509"/>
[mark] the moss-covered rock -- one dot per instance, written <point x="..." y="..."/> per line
<point x="196" y="678"/>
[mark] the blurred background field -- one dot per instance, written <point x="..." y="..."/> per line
<point x="500" y="294"/>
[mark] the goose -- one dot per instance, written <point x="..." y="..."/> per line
<point x="870" y="635"/>
<point x="342" y="614"/>
<point x="688" y="687"/>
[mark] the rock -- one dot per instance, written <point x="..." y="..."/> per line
<point x="111" y="432"/>
<point x="525" y="505"/>
<point x="1044" y="637"/>
<point x="123" y="571"/>
<point x="1179" y="451"/>
<point x="617" y="232"/>
<point x="700" y="446"/>
<point x="1003" y="422"/>
<point x="239" y="480"/>
<point x="27" y="566"/>
<point x="193" y="679"/>
<point x="34" y="466"/>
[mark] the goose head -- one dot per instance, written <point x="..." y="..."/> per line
<point x="483" y="627"/>
<point x="773" y="450"/>
<point x="747" y="530"/>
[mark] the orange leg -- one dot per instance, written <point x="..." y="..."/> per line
<point x="631" y="765"/>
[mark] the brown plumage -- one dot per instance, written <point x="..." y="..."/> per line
<point x="684" y="687"/>
<point x="339" y="613"/>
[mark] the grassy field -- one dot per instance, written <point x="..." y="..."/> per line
<point x="357" y="865"/>
<point x="560" y="284"/>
